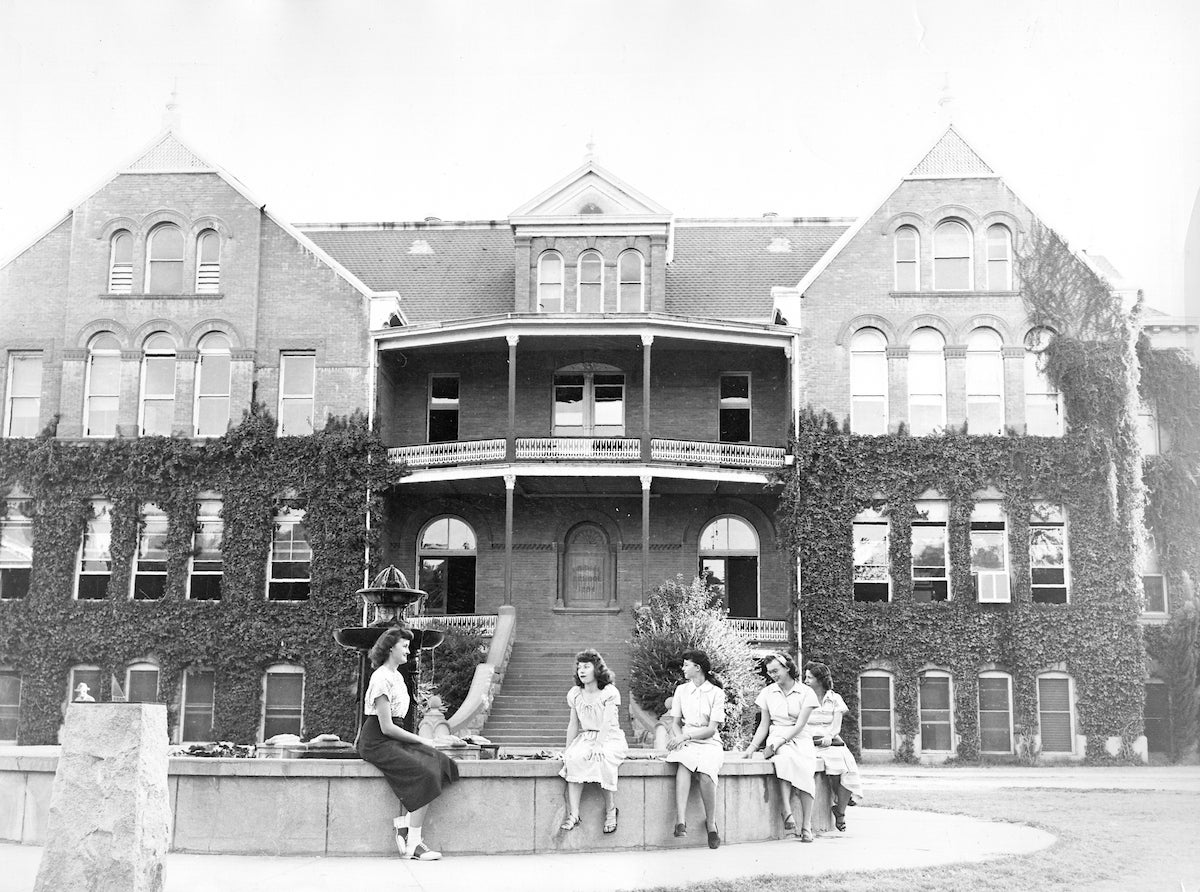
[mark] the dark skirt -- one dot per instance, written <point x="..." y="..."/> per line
<point x="416" y="773"/>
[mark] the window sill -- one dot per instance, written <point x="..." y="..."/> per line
<point x="587" y="611"/>
<point x="977" y="292"/>
<point x="187" y="295"/>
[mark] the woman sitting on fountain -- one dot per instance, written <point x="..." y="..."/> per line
<point x="697" y="711"/>
<point x="824" y="727"/>
<point x="595" y="742"/>
<point x="414" y="769"/>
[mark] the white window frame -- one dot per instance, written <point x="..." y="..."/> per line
<point x="14" y="708"/>
<point x="993" y="674"/>
<point x="208" y="273"/>
<point x="936" y="673"/>
<point x="292" y="517"/>
<point x="442" y="404"/>
<point x="281" y="669"/>
<point x="149" y="513"/>
<point x="1064" y="525"/>
<point x="15" y="358"/>
<point x="712" y="553"/>
<point x="206" y="350"/>
<point x="891" y="680"/>
<point x="1151" y="560"/>
<point x="970" y="255"/>
<point x="148" y="353"/>
<point x="737" y="403"/>
<point x="561" y="283"/>
<point x="588" y="428"/>
<point x="142" y="666"/>
<point x="11" y="519"/>
<point x="927" y="397"/>
<point x="428" y="553"/>
<point x="84" y="667"/>
<point x="1036" y="341"/>
<point x="155" y="234"/>
<point x="1007" y="281"/>
<point x="641" y="282"/>
<point x="873" y="517"/>
<point x="1071" y="706"/>
<point x="878" y="339"/>
<point x="98" y="508"/>
<point x="992" y="586"/>
<point x="994" y="356"/>
<point x="937" y="515"/>
<point x="310" y="396"/>
<point x="185" y="705"/>
<point x="915" y="263"/>
<point x="579" y="283"/>
<point x="204" y="520"/>
<point x="95" y="353"/>
<point x="120" y="275"/>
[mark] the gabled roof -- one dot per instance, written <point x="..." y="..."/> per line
<point x="950" y="157"/>
<point x="590" y="184"/>
<point x="167" y="154"/>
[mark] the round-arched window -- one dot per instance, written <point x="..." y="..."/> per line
<point x="446" y="563"/>
<point x="729" y="563"/>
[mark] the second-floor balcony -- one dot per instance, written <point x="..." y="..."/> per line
<point x="746" y="456"/>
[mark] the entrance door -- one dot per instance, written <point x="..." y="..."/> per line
<point x="587" y="581"/>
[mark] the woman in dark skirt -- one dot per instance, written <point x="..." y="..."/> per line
<point x="414" y="769"/>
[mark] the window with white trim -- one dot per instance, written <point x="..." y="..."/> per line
<point x="95" y="555"/>
<point x="208" y="262"/>
<point x="875" y="717"/>
<point x="995" y="712"/>
<point x="590" y="296"/>
<point x="158" y="386"/>
<point x="86" y="674"/>
<point x="951" y="257"/>
<point x="120" y="263"/>
<point x="935" y="704"/>
<point x="206" y="564"/>
<point x="443" y="408"/>
<point x="734" y="414"/>
<point x="985" y="382"/>
<point x="631" y="293"/>
<point x="150" y="563"/>
<point x="213" y="368"/>
<point x="1043" y="402"/>
<point x="999" y="258"/>
<point x="446" y="557"/>
<point x="102" y="389"/>
<point x="1154" y="583"/>
<point x="297" y="386"/>
<point x="10" y="705"/>
<point x="141" y="683"/>
<point x="283" y="701"/>
<point x="23" y="404"/>
<point x="164" y="260"/>
<point x="729" y="550"/>
<point x="1048" y="552"/>
<point x="989" y="552"/>
<point x="1147" y="426"/>
<point x="931" y="551"/>
<point x="1055" y="718"/>
<point x="589" y="401"/>
<point x="908" y="259"/>
<point x="16" y="549"/>
<point x="291" y="557"/>
<point x="550" y="283"/>
<point x="926" y="382"/>
<point x="872" y="557"/>
<point x="199" y="706"/>
<point x="868" y="382"/>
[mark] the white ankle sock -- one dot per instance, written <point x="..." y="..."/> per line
<point x="414" y="837"/>
<point x="400" y="822"/>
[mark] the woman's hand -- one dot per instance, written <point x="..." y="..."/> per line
<point x="821" y="741"/>
<point x="749" y="752"/>
<point x="675" y="741"/>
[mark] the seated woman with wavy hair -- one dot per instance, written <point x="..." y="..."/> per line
<point x="824" y="727"/>
<point x="596" y="744"/>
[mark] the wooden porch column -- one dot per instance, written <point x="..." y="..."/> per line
<point x="510" y="447"/>
<point x="647" y="479"/>
<point x="510" y="483"/>
<point x="647" y="341"/>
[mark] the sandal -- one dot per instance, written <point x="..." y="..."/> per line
<point x="839" y="821"/>
<point x="570" y="823"/>
<point x="610" y="820"/>
<point x="789" y="823"/>
<point x="806" y="835"/>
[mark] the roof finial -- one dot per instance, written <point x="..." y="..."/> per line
<point x="170" y="118"/>
<point x="946" y="100"/>
<point x="590" y="156"/>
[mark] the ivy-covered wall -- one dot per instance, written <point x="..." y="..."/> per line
<point x="239" y="636"/>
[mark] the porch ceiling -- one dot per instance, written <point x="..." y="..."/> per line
<point x="582" y="486"/>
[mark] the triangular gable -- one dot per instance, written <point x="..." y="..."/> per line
<point x="951" y="157"/>
<point x="590" y="191"/>
<point x="167" y="154"/>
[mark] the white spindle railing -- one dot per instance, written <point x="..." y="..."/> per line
<point x="483" y="623"/>
<point x="699" y="452"/>
<point x="457" y="452"/>
<point x="760" y="630"/>
<point x="585" y="448"/>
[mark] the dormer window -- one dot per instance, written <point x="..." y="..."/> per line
<point x="208" y="262"/>
<point x="591" y="283"/>
<point x="632" y="295"/>
<point x="550" y="283"/>
<point x="120" y="264"/>
<point x="164" y="269"/>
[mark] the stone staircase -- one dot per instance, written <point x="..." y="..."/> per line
<point x="531" y="707"/>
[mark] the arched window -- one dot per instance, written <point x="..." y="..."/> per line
<point x="985" y="382"/>
<point x="926" y="382"/>
<point x="102" y="390"/>
<point x="630" y="269"/>
<point x="995" y="712"/>
<point x="164" y="263"/>
<point x="283" y="701"/>
<point x="999" y="258"/>
<point x="908" y="259"/>
<point x="550" y="283"/>
<point x="588" y="567"/>
<point x="120" y="263"/>
<point x="591" y="283"/>
<point x="875" y="717"/>
<point x="729" y="562"/>
<point x="1056" y="712"/>
<point x="208" y="262"/>
<point x="952" y="257"/>
<point x="141" y="683"/>
<point x="446" y="563"/>
<point x="935" y="701"/>
<point x="211" y="415"/>
<point x="10" y="705"/>
<point x="1043" y="402"/>
<point x="868" y="382"/>
<point x="158" y="386"/>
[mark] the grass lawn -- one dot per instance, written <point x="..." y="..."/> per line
<point x="1107" y="839"/>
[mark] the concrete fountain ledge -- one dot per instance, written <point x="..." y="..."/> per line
<point x="344" y="806"/>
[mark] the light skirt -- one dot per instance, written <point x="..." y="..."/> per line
<point x="702" y="756"/>
<point x="795" y="761"/>
<point x="580" y="767"/>
<point x="840" y="761"/>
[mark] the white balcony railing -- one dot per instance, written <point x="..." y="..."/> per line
<point x="458" y="452"/>
<point x="578" y="449"/>
<point x="732" y="455"/>
<point x="763" y="631"/>
<point x="483" y="623"/>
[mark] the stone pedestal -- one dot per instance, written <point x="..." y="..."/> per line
<point x="109" y="818"/>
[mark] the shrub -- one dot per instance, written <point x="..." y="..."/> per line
<point x="677" y="617"/>
<point x="447" y="670"/>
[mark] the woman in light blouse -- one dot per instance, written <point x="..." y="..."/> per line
<point x="694" y="744"/>
<point x="596" y="744"/>
<point x="824" y="726"/>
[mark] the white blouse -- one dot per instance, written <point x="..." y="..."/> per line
<point x="387" y="683"/>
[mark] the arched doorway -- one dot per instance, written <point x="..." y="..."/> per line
<point x="729" y="562"/>
<point x="446" y="552"/>
<point x="588" y="577"/>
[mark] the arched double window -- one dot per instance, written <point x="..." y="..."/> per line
<point x="868" y="382"/>
<point x="102" y="389"/>
<point x="590" y="297"/>
<point x="158" y="386"/>
<point x="985" y="382"/>
<point x="141" y="682"/>
<point x="164" y="260"/>
<point x="952" y="257"/>
<point x="1056" y="714"/>
<point x="908" y="259"/>
<point x="999" y="258"/>
<point x="631" y="275"/>
<point x="926" y="382"/>
<point x="550" y="283"/>
<point x="446" y="565"/>
<point x="120" y="263"/>
<point x="208" y="262"/>
<point x="729" y="562"/>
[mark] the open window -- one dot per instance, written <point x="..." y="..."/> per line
<point x="872" y="556"/>
<point x="729" y="562"/>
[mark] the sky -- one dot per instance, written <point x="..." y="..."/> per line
<point x="372" y="110"/>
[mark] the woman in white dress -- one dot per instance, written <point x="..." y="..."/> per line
<point x="697" y="711"/>
<point x="785" y="706"/>
<point x="596" y="744"/>
<point x="824" y="726"/>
